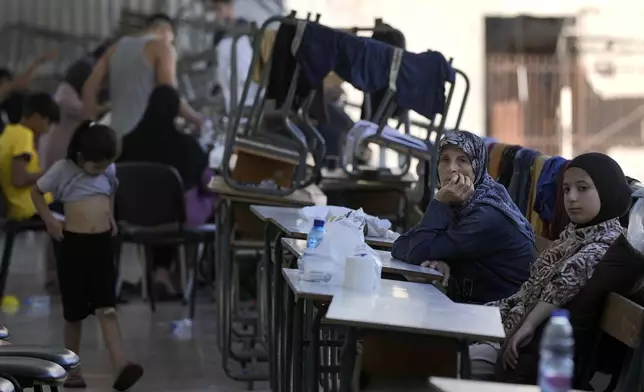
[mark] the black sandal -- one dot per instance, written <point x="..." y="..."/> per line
<point x="129" y="375"/>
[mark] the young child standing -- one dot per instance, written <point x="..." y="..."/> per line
<point x="85" y="183"/>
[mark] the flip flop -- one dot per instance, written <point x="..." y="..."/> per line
<point x="129" y="375"/>
<point x="75" y="380"/>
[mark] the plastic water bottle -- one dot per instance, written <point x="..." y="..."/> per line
<point x="316" y="235"/>
<point x="313" y="239"/>
<point x="38" y="305"/>
<point x="182" y="329"/>
<point x="557" y="365"/>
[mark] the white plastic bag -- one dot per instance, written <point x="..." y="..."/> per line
<point x="344" y="238"/>
<point x="377" y="227"/>
<point x="362" y="273"/>
<point x="635" y="234"/>
<point x="311" y="213"/>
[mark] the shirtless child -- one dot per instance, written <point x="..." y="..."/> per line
<point x="85" y="183"/>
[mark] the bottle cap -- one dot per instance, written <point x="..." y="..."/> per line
<point x="318" y="223"/>
<point x="560" y="313"/>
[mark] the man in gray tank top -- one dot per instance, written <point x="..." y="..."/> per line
<point x="136" y="65"/>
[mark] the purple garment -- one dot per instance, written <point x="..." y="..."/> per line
<point x="200" y="203"/>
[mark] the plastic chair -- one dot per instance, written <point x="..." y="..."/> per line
<point x="33" y="373"/>
<point x="7" y="385"/>
<point x="11" y="229"/>
<point x="62" y="357"/>
<point x="150" y="208"/>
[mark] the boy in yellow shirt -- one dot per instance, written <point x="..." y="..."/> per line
<point x="19" y="162"/>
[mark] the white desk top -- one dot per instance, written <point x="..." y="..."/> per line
<point x="453" y="385"/>
<point x="388" y="289"/>
<point x="390" y="265"/>
<point x="308" y="290"/>
<point x="289" y="221"/>
<point x="415" y="308"/>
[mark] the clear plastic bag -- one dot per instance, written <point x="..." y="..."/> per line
<point x="344" y="238"/>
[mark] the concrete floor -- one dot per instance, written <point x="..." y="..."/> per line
<point x="170" y="365"/>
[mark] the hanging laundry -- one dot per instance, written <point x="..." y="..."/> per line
<point x="534" y="218"/>
<point x="507" y="165"/>
<point x="546" y="192"/>
<point x="265" y="52"/>
<point x="561" y="218"/>
<point x="494" y="162"/>
<point x="365" y="63"/>
<point x="281" y="76"/>
<point x="521" y="181"/>
<point x="395" y="38"/>
<point x="489" y="141"/>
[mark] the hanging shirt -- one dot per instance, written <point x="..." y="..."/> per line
<point x="366" y="64"/>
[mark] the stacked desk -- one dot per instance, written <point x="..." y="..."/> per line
<point x="401" y="307"/>
<point x="232" y="211"/>
<point x="405" y="308"/>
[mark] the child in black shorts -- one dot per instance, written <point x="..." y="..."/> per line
<point x="85" y="183"/>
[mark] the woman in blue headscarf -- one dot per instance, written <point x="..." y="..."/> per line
<point x="472" y="231"/>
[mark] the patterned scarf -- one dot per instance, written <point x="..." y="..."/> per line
<point x="565" y="251"/>
<point x="486" y="190"/>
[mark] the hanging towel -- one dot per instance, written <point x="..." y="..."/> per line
<point x="266" y="50"/>
<point x="533" y="216"/>
<point x="495" y="160"/>
<point x="365" y="63"/>
<point x="395" y="38"/>
<point x="525" y="163"/>
<point x="507" y="165"/>
<point x="489" y="140"/>
<point x="281" y="75"/>
<point x="546" y="192"/>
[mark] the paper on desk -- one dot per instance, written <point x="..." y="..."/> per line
<point x="311" y="213"/>
<point x="376" y="227"/>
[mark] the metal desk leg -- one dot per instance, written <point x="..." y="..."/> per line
<point x="276" y="308"/>
<point x="222" y="234"/>
<point x="266" y="305"/>
<point x="465" y="365"/>
<point x="225" y="284"/>
<point x="348" y="360"/>
<point x="287" y="344"/>
<point x="314" y="351"/>
<point x="298" y="346"/>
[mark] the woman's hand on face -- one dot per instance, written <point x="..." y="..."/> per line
<point x="439" y="266"/>
<point x="457" y="191"/>
<point x="521" y="338"/>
